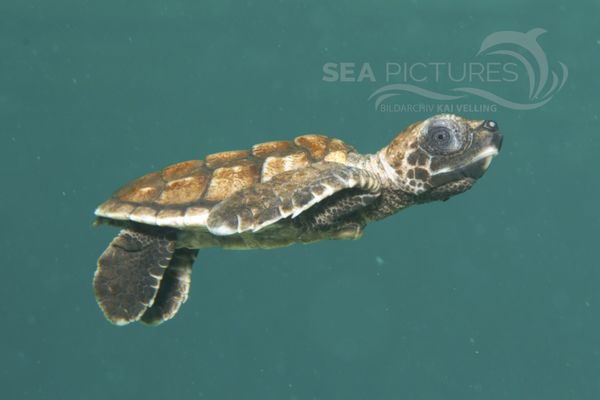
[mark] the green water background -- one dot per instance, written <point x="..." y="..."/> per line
<point x="492" y="295"/>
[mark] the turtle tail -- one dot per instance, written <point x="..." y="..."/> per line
<point x="142" y="276"/>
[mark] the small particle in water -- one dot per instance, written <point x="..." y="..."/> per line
<point x="379" y="260"/>
<point x="476" y="387"/>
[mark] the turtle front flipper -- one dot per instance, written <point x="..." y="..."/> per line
<point x="286" y="194"/>
<point x="174" y="288"/>
<point x="130" y="271"/>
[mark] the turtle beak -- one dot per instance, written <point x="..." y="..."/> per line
<point x="497" y="140"/>
<point x="476" y="168"/>
<point x="497" y="143"/>
<point x="482" y="161"/>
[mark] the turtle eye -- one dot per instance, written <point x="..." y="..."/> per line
<point x="440" y="135"/>
<point x="442" y="139"/>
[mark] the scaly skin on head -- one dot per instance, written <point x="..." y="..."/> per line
<point x="433" y="159"/>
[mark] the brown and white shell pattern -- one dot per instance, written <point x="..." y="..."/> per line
<point x="181" y="195"/>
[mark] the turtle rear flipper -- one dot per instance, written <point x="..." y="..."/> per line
<point x="130" y="271"/>
<point x="174" y="288"/>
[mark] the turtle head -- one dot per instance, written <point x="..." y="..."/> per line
<point x="441" y="156"/>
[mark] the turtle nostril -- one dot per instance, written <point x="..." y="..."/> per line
<point x="490" y="125"/>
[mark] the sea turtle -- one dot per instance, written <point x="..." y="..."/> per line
<point x="275" y="194"/>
